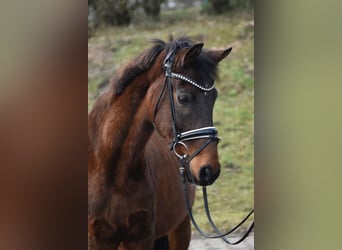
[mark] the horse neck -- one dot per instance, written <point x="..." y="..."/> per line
<point x="124" y="132"/>
<point x="131" y="164"/>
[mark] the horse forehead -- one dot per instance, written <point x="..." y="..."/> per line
<point x="200" y="73"/>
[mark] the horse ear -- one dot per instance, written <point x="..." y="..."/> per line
<point x="190" y="54"/>
<point x="218" y="55"/>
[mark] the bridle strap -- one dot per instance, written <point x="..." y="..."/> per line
<point x="158" y="100"/>
<point x="173" y="110"/>
<point x="168" y="63"/>
<point x="206" y="143"/>
<point x="201" y="133"/>
<point x="220" y="235"/>
<point x="213" y="225"/>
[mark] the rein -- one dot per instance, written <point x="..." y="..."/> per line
<point x="179" y="138"/>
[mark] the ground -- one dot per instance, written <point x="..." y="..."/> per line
<point x="218" y="244"/>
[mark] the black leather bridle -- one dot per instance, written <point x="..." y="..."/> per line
<point x="179" y="138"/>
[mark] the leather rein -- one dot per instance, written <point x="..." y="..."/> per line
<point x="179" y="138"/>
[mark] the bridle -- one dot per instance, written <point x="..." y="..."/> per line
<point x="179" y="138"/>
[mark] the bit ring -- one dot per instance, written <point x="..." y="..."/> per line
<point x="178" y="154"/>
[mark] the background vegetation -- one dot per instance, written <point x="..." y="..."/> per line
<point x="109" y="47"/>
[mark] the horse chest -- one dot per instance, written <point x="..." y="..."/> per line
<point x="133" y="206"/>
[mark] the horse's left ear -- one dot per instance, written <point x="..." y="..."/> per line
<point x="219" y="55"/>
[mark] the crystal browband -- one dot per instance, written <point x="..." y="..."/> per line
<point x="184" y="78"/>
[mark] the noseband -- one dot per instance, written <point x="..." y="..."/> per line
<point x="179" y="138"/>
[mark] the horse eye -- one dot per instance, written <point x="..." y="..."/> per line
<point x="183" y="99"/>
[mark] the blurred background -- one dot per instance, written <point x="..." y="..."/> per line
<point x="120" y="30"/>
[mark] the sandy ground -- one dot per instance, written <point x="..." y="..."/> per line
<point x="218" y="244"/>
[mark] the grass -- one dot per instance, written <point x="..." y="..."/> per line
<point x="231" y="197"/>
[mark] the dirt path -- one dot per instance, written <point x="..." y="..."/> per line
<point x="218" y="244"/>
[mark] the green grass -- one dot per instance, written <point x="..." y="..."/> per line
<point x="231" y="197"/>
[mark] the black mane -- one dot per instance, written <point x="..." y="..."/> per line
<point x="205" y="66"/>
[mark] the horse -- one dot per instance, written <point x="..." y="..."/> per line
<point x="165" y="96"/>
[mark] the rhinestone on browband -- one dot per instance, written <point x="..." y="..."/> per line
<point x="184" y="78"/>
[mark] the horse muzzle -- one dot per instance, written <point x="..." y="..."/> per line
<point x="206" y="174"/>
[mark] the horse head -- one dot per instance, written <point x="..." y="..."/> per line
<point x="181" y="103"/>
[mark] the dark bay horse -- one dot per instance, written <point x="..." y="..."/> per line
<point x="134" y="189"/>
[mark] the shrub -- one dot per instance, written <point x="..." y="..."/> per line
<point x="224" y="6"/>
<point x="114" y="12"/>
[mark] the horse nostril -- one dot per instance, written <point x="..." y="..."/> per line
<point x="205" y="176"/>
